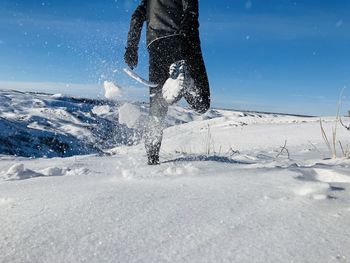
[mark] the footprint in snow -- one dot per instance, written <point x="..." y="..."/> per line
<point x="317" y="183"/>
<point x="158" y="172"/>
<point x="314" y="190"/>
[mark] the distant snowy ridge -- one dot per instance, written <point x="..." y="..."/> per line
<point x="37" y="125"/>
<point x="44" y="125"/>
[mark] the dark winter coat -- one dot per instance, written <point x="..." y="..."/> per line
<point x="165" y="18"/>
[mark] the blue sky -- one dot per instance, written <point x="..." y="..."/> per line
<point x="275" y="55"/>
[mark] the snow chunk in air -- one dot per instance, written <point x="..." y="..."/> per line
<point x="129" y="115"/>
<point x="112" y="91"/>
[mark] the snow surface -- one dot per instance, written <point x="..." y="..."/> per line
<point x="225" y="191"/>
<point x="42" y="125"/>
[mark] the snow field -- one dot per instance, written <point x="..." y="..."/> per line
<point x="195" y="211"/>
<point x="225" y="190"/>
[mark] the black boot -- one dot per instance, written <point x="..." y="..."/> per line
<point x="153" y="159"/>
<point x="153" y="153"/>
<point x="153" y="136"/>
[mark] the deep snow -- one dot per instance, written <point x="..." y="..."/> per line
<point x="224" y="192"/>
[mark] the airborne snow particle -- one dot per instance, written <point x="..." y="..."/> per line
<point x="112" y="91"/>
<point x="339" y="23"/>
<point x="129" y="115"/>
<point x="248" y="4"/>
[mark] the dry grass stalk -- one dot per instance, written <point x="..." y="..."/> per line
<point x="284" y="148"/>
<point x="333" y="147"/>
<point x="325" y="138"/>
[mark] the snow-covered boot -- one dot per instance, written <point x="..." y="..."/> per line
<point x="153" y="154"/>
<point x="153" y="135"/>
<point x="177" y="83"/>
<point x="153" y="159"/>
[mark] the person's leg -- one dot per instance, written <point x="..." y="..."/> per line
<point x="199" y="96"/>
<point x="155" y="126"/>
<point x="158" y="108"/>
<point x="162" y="54"/>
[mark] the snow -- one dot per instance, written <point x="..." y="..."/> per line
<point x="19" y="172"/>
<point x="129" y="115"/>
<point x="224" y="191"/>
<point x="172" y="88"/>
<point x="331" y="176"/>
<point x="178" y="81"/>
<point x="41" y="125"/>
<point x="112" y="91"/>
<point x="101" y="110"/>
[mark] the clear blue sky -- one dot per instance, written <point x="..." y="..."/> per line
<point x="276" y="55"/>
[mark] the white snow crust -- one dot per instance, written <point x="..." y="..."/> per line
<point x="225" y="191"/>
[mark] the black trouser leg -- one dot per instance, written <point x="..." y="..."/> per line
<point x="162" y="54"/>
<point x="156" y="124"/>
<point x="199" y="99"/>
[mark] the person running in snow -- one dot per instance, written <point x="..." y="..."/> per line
<point x="175" y="62"/>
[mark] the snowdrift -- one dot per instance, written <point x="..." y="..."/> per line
<point x="44" y="125"/>
<point x="232" y="186"/>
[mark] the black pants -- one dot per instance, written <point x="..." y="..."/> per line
<point x="163" y="53"/>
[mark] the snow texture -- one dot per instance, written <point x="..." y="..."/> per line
<point x="129" y="115"/>
<point x="178" y="82"/>
<point x="225" y="190"/>
<point x="44" y="125"/>
<point x="112" y="91"/>
<point x="18" y="172"/>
